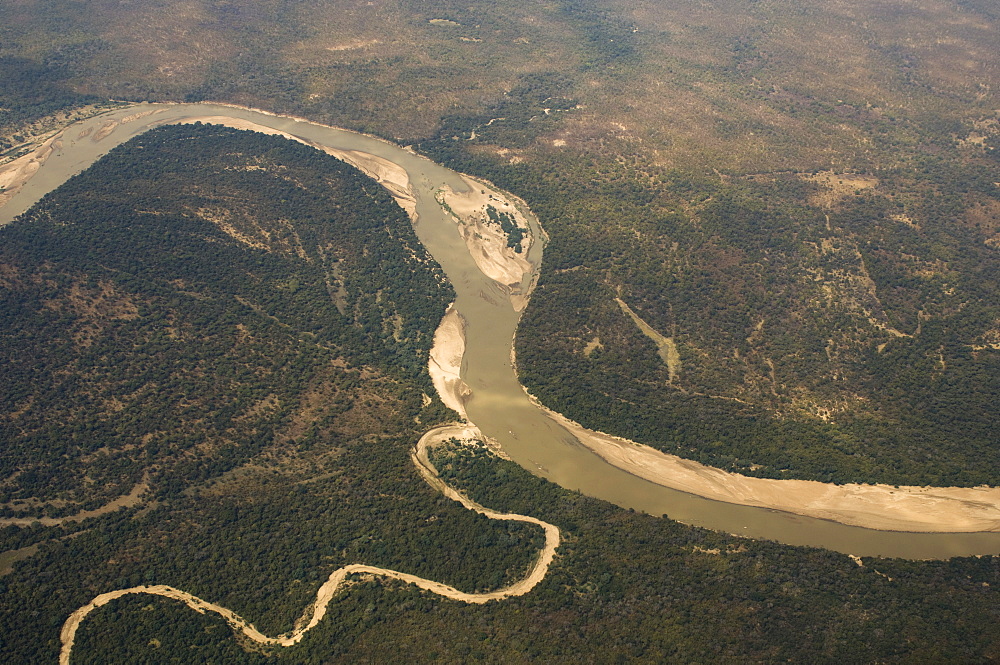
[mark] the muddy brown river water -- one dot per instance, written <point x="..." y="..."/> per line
<point x="498" y="405"/>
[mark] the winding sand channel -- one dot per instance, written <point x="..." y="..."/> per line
<point x="475" y="372"/>
<point x="315" y="612"/>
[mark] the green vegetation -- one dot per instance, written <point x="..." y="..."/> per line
<point x="508" y="225"/>
<point x="625" y="587"/>
<point x="800" y="193"/>
<point x="172" y="313"/>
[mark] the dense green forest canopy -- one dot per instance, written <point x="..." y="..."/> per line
<point x="175" y="325"/>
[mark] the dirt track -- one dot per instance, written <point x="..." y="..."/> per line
<point x="133" y="498"/>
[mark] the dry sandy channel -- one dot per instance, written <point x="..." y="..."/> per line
<point x="338" y="578"/>
<point x="133" y="498"/>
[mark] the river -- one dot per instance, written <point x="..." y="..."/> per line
<point x="498" y="405"/>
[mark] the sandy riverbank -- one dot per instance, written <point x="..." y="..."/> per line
<point x="391" y="176"/>
<point x="14" y="174"/>
<point x="882" y="507"/>
<point x="445" y="365"/>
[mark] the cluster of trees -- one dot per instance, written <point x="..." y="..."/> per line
<point x="180" y="322"/>
<point x="624" y="587"/>
<point x="785" y="311"/>
<point x="507" y="224"/>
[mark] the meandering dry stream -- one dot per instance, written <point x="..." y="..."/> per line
<point x="315" y="612"/>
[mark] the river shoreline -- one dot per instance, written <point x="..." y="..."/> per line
<point x="906" y="509"/>
<point x="876" y="507"/>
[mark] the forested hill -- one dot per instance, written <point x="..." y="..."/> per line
<point x="826" y="328"/>
<point x="226" y="295"/>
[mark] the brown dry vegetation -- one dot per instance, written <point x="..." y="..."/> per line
<point x="737" y="85"/>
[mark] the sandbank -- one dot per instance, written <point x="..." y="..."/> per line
<point x="486" y="241"/>
<point x="445" y="364"/>
<point x="15" y="173"/>
<point x="882" y="507"/>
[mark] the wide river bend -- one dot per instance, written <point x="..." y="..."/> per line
<point x="498" y="405"/>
